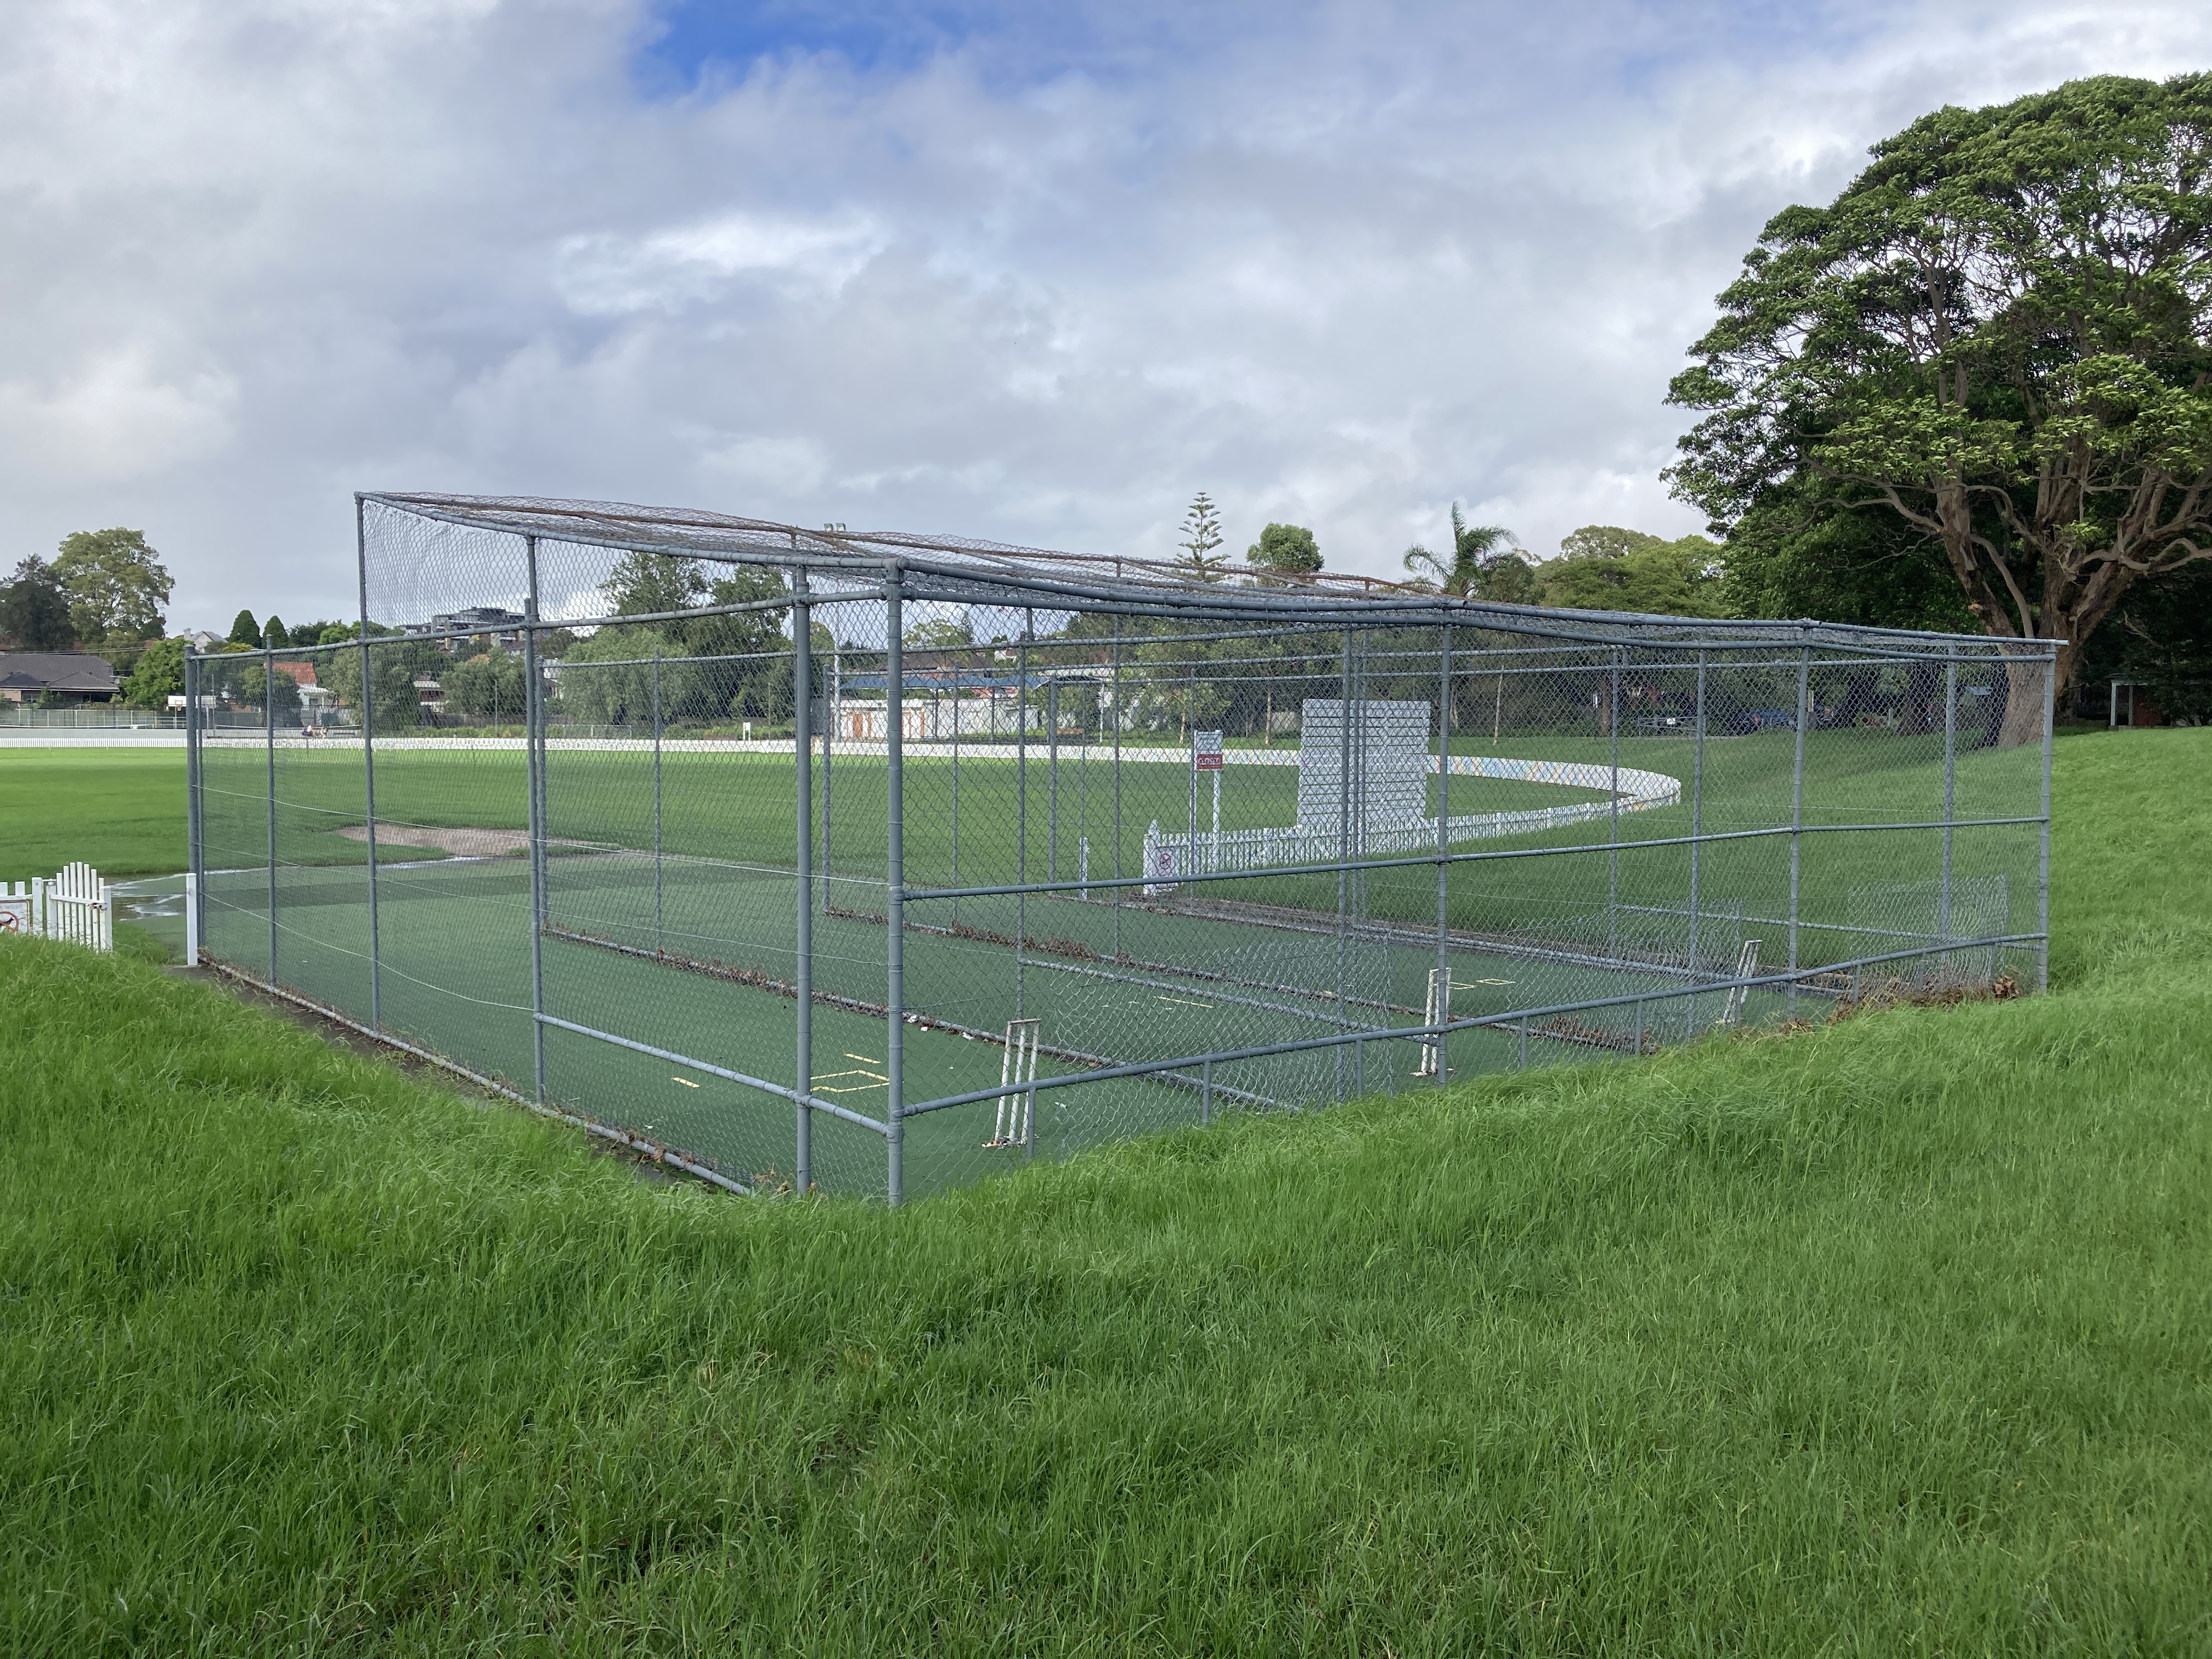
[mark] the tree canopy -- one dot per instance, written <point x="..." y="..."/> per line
<point x="159" y="676"/>
<point x="647" y="584"/>
<point x="1999" y="336"/>
<point x="34" y="612"/>
<point x="1201" y="529"/>
<point x="1289" y="550"/>
<point x="116" y="584"/>
<point x="245" y="630"/>
<point x="1484" y="564"/>
<point x="1602" y="567"/>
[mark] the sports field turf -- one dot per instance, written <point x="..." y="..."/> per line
<point x="1887" y="1337"/>
<point x="121" y="810"/>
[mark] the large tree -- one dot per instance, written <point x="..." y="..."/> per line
<point x="116" y="584"/>
<point x="34" y="612"/>
<point x="1288" y="550"/>
<point x="1201" y="529"/>
<point x="2001" y="335"/>
<point x="1603" y="567"/>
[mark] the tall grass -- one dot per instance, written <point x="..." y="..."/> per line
<point x="1887" y="1337"/>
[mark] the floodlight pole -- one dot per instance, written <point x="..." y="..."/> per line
<point x="802" y="704"/>
<point x="368" y="769"/>
<point x="895" y="889"/>
<point x="1950" y="795"/>
<point x="1797" y="808"/>
<point x="533" y="717"/>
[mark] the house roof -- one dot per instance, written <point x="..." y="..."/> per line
<point x="55" y="671"/>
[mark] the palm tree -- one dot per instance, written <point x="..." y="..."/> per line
<point x="1474" y="547"/>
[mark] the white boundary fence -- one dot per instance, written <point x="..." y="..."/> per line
<point x="74" y="906"/>
<point x="1167" y="857"/>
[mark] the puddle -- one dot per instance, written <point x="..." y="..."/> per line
<point x="156" y="904"/>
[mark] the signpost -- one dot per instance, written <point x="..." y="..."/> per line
<point x="1206" y="757"/>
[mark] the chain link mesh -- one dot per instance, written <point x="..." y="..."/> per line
<point x="1244" y="842"/>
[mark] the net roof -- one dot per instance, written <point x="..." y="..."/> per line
<point x="966" y="570"/>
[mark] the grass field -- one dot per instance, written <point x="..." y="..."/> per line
<point x="121" y="810"/>
<point x="1887" y="1337"/>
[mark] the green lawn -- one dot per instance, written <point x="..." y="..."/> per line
<point x="121" y="810"/>
<point x="1887" y="1337"/>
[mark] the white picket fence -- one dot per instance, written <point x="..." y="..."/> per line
<point x="75" y="906"/>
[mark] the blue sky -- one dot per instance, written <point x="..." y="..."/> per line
<point x="1026" y="272"/>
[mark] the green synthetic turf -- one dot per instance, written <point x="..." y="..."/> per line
<point x="1887" y="1337"/>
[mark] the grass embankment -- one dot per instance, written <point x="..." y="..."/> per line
<point x="1888" y="1337"/>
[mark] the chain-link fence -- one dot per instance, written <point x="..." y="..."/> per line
<point x="872" y="863"/>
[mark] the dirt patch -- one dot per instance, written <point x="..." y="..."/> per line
<point x="459" y="843"/>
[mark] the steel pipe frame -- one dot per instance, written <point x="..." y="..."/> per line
<point x="1419" y="1033"/>
<point x="1330" y="868"/>
<point x="1797" y="807"/>
<point x="895" y="891"/>
<point x="1225" y="605"/>
<point x="368" y="774"/>
<point x="802" y="704"/>
<point x="533" y="716"/>
<point x="675" y="1058"/>
<point x="269" y="715"/>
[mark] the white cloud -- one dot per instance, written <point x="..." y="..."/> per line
<point x="605" y="275"/>
<point x="111" y="419"/>
<point x="1342" y="265"/>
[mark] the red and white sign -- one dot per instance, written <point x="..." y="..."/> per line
<point x="1206" y="750"/>
<point x="15" y="916"/>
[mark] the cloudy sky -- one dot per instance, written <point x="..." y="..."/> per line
<point x="992" y="268"/>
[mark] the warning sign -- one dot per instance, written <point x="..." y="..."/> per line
<point x="1205" y="750"/>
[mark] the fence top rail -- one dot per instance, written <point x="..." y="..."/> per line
<point x="969" y="571"/>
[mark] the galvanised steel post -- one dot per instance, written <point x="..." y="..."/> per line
<point x="1022" y="808"/>
<point x="2043" y="857"/>
<point x="1612" y="858"/>
<point x="368" y="769"/>
<point x="802" y="704"/>
<point x="895" y="887"/>
<point x="1950" y="793"/>
<point x="659" y="945"/>
<point x="1797" y="806"/>
<point x="1118" y="888"/>
<point x="1443" y="835"/>
<point x="1343" y="840"/>
<point x="534" y="731"/>
<point x="1697" y="815"/>
<point x="828" y="735"/>
<point x="268" y="717"/>
<point x="1052" y="781"/>
<point x="956" y="781"/>
<point x="195" y="824"/>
